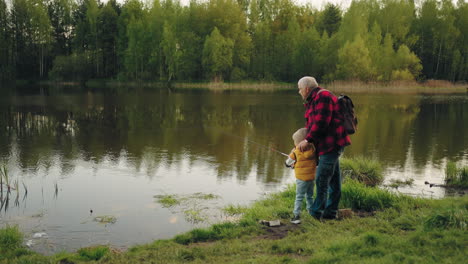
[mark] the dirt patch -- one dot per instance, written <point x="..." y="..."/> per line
<point x="278" y="232"/>
<point x="349" y="213"/>
<point x="364" y="213"/>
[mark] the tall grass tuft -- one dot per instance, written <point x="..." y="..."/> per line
<point x="357" y="196"/>
<point x="215" y="232"/>
<point x="10" y="238"/>
<point x="456" y="176"/>
<point x="93" y="253"/>
<point x="450" y="218"/>
<point x="365" y="170"/>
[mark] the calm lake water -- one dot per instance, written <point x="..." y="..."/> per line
<point x="112" y="153"/>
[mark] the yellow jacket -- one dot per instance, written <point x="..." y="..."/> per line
<point x="306" y="163"/>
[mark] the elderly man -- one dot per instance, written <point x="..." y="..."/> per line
<point x="325" y="130"/>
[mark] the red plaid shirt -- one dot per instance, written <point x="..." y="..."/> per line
<point x="323" y="122"/>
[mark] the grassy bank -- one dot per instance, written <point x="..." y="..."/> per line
<point x="382" y="228"/>
<point x="250" y="86"/>
<point x="405" y="87"/>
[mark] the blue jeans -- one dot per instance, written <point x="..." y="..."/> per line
<point x="328" y="180"/>
<point x="303" y="188"/>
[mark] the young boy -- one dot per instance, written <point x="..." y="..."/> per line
<point x="304" y="164"/>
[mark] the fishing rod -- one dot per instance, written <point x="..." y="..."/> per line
<point x="258" y="144"/>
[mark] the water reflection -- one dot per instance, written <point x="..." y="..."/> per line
<point x="162" y="128"/>
<point x="112" y="153"/>
<point x="159" y="128"/>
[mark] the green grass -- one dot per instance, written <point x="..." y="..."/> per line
<point x="450" y="218"/>
<point x="367" y="171"/>
<point x="10" y="239"/>
<point x="357" y="196"/>
<point x="456" y="176"/>
<point x="234" y="209"/>
<point x="93" y="253"/>
<point x="402" y="229"/>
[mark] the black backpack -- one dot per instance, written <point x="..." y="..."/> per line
<point x="347" y="110"/>
<point x="349" y="117"/>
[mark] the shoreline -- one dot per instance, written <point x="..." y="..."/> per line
<point x="373" y="225"/>
<point x="398" y="87"/>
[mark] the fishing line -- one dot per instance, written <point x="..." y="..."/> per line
<point x="258" y="144"/>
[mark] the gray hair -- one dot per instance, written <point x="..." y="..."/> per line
<point x="299" y="135"/>
<point x="307" y="82"/>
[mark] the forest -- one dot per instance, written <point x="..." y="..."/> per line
<point x="232" y="40"/>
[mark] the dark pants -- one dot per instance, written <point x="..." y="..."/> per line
<point x="328" y="182"/>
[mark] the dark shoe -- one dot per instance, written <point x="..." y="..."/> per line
<point x="329" y="217"/>
<point x="318" y="217"/>
<point x="296" y="220"/>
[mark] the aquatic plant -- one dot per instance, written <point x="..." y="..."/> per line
<point x="395" y="183"/>
<point x="105" y="219"/>
<point x="193" y="216"/>
<point x="204" y="196"/>
<point x="365" y="170"/>
<point x="456" y="176"/>
<point x="168" y="200"/>
<point x="234" y="209"/>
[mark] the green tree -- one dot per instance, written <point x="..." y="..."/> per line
<point x="130" y="10"/>
<point x="387" y="58"/>
<point x="107" y="29"/>
<point x="262" y="52"/>
<point x="92" y="13"/>
<point x="355" y="22"/>
<point x="459" y="69"/>
<point x="424" y="26"/>
<point x="285" y="45"/>
<point x="374" y="44"/>
<point x="6" y="48"/>
<point x="354" y="62"/>
<point x="330" y="19"/>
<point x="406" y="62"/>
<point x="190" y="56"/>
<point x="228" y="17"/>
<point x="170" y="48"/>
<point x="32" y="38"/>
<point x="396" y="18"/>
<point x="61" y="18"/>
<point x="217" y="56"/>
<point x="136" y="56"/>
<point x="306" y="55"/>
